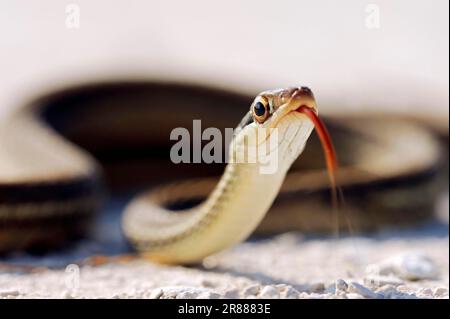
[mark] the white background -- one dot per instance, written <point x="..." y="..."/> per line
<point x="245" y="45"/>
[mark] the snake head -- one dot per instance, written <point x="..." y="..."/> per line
<point x="269" y="107"/>
<point x="293" y="113"/>
<point x="286" y="109"/>
<point x="273" y="129"/>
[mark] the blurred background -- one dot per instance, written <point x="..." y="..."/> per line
<point x="360" y="57"/>
<point x="336" y="48"/>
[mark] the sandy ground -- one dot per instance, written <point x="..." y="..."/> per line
<point x="286" y="266"/>
<point x="396" y="263"/>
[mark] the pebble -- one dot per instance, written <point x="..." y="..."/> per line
<point x="404" y="288"/>
<point x="207" y="283"/>
<point x="425" y="292"/>
<point x="269" y="292"/>
<point x="440" y="291"/>
<point x="362" y="290"/>
<point x="251" y="290"/>
<point x="232" y="293"/>
<point x="304" y="295"/>
<point x="282" y="287"/>
<point x="317" y="287"/>
<point x="331" y="288"/>
<point x="155" y="293"/>
<point x="412" y="266"/>
<point x="7" y="293"/>
<point x="136" y="293"/>
<point x="340" y="294"/>
<point x="354" y="296"/>
<point x="209" y="295"/>
<point x="290" y="293"/>
<point x="387" y="291"/>
<point x="67" y="294"/>
<point x="341" y="285"/>
<point x="379" y="281"/>
<point x="391" y="292"/>
<point x="187" y="295"/>
<point x="181" y="292"/>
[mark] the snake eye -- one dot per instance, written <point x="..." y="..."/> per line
<point x="260" y="111"/>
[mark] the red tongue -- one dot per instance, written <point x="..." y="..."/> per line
<point x="325" y="139"/>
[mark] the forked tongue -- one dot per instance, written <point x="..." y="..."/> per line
<point x="332" y="165"/>
<point x="327" y="144"/>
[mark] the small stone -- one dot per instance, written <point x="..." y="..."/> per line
<point x="402" y="295"/>
<point x="341" y="285"/>
<point x="378" y="281"/>
<point x="317" y="287"/>
<point x="231" y="294"/>
<point x="440" y="291"/>
<point x="176" y="292"/>
<point x="290" y="293"/>
<point x="404" y="288"/>
<point x="269" y="292"/>
<point x="387" y="291"/>
<point x="155" y="294"/>
<point x="425" y="292"/>
<point x="7" y="293"/>
<point x="362" y="290"/>
<point x="251" y="290"/>
<point x="304" y="295"/>
<point x="210" y="262"/>
<point x="187" y="295"/>
<point x="340" y="294"/>
<point x="209" y="295"/>
<point x="282" y="287"/>
<point x="354" y="296"/>
<point x="67" y="294"/>
<point x="134" y="293"/>
<point x="412" y="266"/>
<point x="331" y="288"/>
<point x="207" y="283"/>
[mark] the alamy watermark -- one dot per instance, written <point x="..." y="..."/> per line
<point x="72" y="16"/>
<point x="259" y="146"/>
<point x="372" y="20"/>
<point x="72" y="277"/>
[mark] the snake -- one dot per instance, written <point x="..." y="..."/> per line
<point x="244" y="193"/>
<point x="50" y="185"/>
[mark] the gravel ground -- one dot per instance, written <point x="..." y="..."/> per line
<point x="286" y="266"/>
<point x="396" y="263"/>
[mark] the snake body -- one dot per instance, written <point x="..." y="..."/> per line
<point x="50" y="187"/>
<point x="241" y="198"/>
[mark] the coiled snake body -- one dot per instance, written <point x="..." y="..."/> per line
<point x="49" y="187"/>
<point x="243" y="195"/>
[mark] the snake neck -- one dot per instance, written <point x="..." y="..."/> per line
<point x="229" y="215"/>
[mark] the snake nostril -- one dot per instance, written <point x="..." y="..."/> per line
<point x="298" y="92"/>
<point x="306" y="89"/>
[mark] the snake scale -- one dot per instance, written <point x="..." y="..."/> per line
<point x="51" y="181"/>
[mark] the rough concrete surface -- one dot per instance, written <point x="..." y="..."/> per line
<point x="285" y="266"/>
